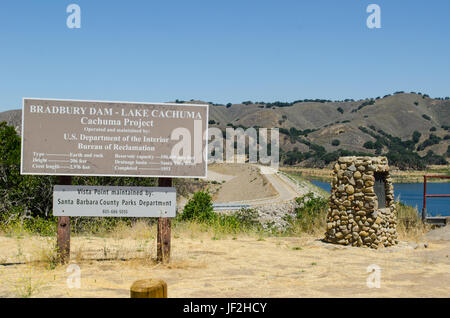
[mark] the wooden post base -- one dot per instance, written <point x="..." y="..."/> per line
<point x="149" y="288"/>
<point x="163" y="234"/>
<point x="63" y="239"/>
<point x="63" y="231"/>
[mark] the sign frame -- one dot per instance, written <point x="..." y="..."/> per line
<point x="204" y="154"/>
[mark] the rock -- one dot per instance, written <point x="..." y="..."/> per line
<point x="349" y="189"/>
<point x="368" y="190"/>
<point x="363" y="234"/>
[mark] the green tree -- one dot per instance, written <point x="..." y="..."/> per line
<point x="416" y="136"/>
<point x="335" y="142"/>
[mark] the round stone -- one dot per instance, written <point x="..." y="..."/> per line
<point x="363" y="234"/>
<point x="349" y="189"/>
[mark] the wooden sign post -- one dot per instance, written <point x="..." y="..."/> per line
<point x="63" y="232"/>
<point x="163" y="234"/>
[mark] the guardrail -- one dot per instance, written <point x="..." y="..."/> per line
<point x="433" y="220"/>
<point x="229" y="206"/>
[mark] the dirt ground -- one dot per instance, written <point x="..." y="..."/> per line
<point x="205" y="265"/>
<point x="243" y="182"/>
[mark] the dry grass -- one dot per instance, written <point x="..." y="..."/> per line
<point x="29" y="283"/>
<point x="321" y="174"/>
<point x="209" y="262"/>
<point x="410" y="226"/>
<point x="46" y="253"/>
<point x="239" y="266"/>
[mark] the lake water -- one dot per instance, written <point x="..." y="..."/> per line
<point x="412" y="194"/>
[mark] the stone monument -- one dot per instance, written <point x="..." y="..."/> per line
<point x="361" y="206"/>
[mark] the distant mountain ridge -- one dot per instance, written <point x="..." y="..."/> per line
<point x="349" y="125"/>
<point x="398" y="115"/>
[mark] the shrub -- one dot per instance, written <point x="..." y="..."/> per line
<point x="416" y="136"/>
<point x="311" y="214"/>
<point x="335" y="142"/>
<point x="247" y="217"/>
<point x="432" y="140"/>
<point x="199" y="208"/>
<point x="369" y="145"/>
<point x="21" y="195"/>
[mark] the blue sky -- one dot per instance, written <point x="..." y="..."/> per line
<point x="222" y="51"/>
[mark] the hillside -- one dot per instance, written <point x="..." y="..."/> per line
<point x="307" y="126"/>
<point x="319" y="123"/>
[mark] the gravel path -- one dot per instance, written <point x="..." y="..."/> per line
<point x="439" y="234"/>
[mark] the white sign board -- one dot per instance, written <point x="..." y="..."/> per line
<point x="69" y="200"/>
